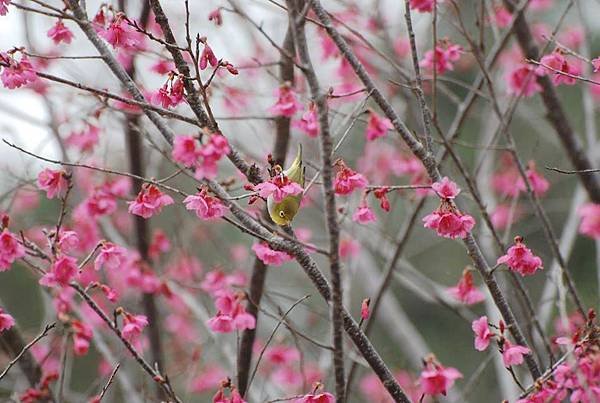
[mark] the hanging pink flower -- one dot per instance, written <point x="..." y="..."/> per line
<point x="280" y="187"/>
<point x="269" y="256"/>
<point x="513" y="354"/>
<point x="446" y="54"/>
<point x="377" y="126"/>
<point x="10" y="249"/>
<point x="436" y="379"/>
<point x="149" y="201"/>
<point x="221" y="323"/>
<point x="85" y="140"/>
<point x="133" y="325"/>
<point x="364" y="309"/>
<point x="60" y="33"/>
<point x="363" y="214"/>
<point x="286" y="104"/>
<point x="522" y="80"/>
<point x="55" y="183"/>
<point x="590" y="220"/>
<point x="347" y="180"/>
<point x="207" y="57"/>
<point x="324" y="397"/>
<point x="211" y="152"/>
<point x="504" y="215"/>
<point x="62" y="271"/>
<point x="556" y="62"/>
<point x="445" y="188"/>
<point x="6" y="320"/>
<point x="519" y="258"/>
<point x="111" y="256"/>
<point x="205" y="206"/>
<point x="309" y="123"/>
<point x="15" y="73"/>
<point x="538" y="183"/>
<point x="502" y="17"/>
<point x="449" y="223"/>
<point x="422" y="6"/>
<point x="82" y="337"/>
<point x="216" y="17"/>
<point x="119" y="34"/>
<point x="465" y="291"/>
<point x="160" y="244"/>
<point x="186" y="150"/>
<point x="483" y="335"/>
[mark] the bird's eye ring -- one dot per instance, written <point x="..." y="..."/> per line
<point x="282" y="214"/>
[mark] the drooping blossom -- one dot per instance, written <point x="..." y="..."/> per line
<point x="84" y="140"/>
<point x="287" y="104"/>
<point x="111" y="256"/>
<point x="446" y="54"/>
<point x="6" y="320"/>
<point x="309" y="122"/>
<point x="381" y="195"/>
<point x="211" y="152"/>
<point x="504" y="215"/>
<point x="448" y="222"/>
<point x="445" y="188"/>
<point x="82" y="336"/>
<point x="436" y="379"/>
<point x="422" y="6"/>
<point x="363" y="214"/>
<point x="483" y="335"/>
<point x="206" y="207"/>
<point x="60" y="33"/>
<point x="538" y="183"/>
<point x="556" y="63"/>
<point x="231" y="314"/>
<point x="279" y="186"/>
<point x="186" y="150"/>
<point x="364" y="309"/>
<point x="513" y="354"/>
<point x="519" y="258"/>
<point x="10" y="249"/>
<point x="162" y="66"/>
<point x="207" y="57"/>
<point x="347" y="180"/>
<point x="590" y="220"/>
<point x="324" y="397"/>
<point x="149" y="201"/>
<point x="119" y="33"/>
<point x="596" y="64"/>
<point x="17" y="73"/>
<point x="133" y="325"/>
<point x="269" y="256"/>
<point x="522" y="80"/>
<point x="54" y="182"/>
<point x="465" y="291"/>
<point x="377" y="126"/>
<point x="501" y="17"/>
<point x="216" y="17"/>
<point x="61" y="272"/>
<point x="67" y="241"/>
<point x="4" y="6"/>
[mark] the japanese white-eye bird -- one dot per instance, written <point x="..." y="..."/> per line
<point x="282" y="213"/>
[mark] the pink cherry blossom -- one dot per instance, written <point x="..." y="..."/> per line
<point x="436" y="379"/>
<point x="465" y="291"/>
<point x="221" y="323"/>
<point x="6" y="320"/>
<point x="162" y="66"/>
<point x="309" y="122"/>
<point x="10" y="249"/>
<point x="504" y="215"/>
<point x="377" y="126"/>
<point x="15" y="73"/>
<point x="590" y="220"/>
<point x="596" y="64"/>
<point x="445" y="56"/>
<point x="349" y="248"/>
<point x="149" y="201"/>
<point x="538" y="183"/>
<point x="207" y="57"/>
<point x="347" y="180"/>
<point x="556" y="62"/>
<point x="211" y="152"/>
<point x="186" y="150"/>
<point x="160" y="244"/>
<point x="85" y="140"/>
<point x="513" y="354"/>
<point x="363" y="214"/>
<point x="445" y="188"/>
<point x="280" y="186"/>
<point x="522" y="80"/>
<point x="81" y="338"/>
<point x="133" y="325"/>
<point x="422" y="6"/>
<point x="286" y="104"/>
<point x="364" y="309"/>
<point x="62" y="271"/>
<point x="60" y="33"/>
<point x="119" y="34"/>
<point x="449" y="224"/>
<point x="502" y="17"/>
<point x="519" y="258"/>
<point x="324" y="397"/>
<point x="281" y="354"/>
<point x="111" y="256"/>
<point x="216" y="17"/>
<point x="162" y="97"/>
<point x="483" y="335"/>
<point x="68" y="240"/>
<point x="55" y="183"/>
<point x="269" y="256"/>
<point x="4" y="6"/>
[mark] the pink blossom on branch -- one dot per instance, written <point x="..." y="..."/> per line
<point x="60" y="33"/>
<point x="149" y="201"/>
<point x="436" y="379"/>
<point x="61" y="272"/>
<point x="522" y="80"/>
<point x="269" y="256"/>
<point x="446" y="54"/>
<point x="10" y="249"/>
<point x="286" y="104"/>
<point x="206" y="207"/>
<point x="590" y="220"/>
<point x="207" y="57"/>
<point x="423" y="6"/>
<point x="111" y="256"/>
<point x="554" y="63"/>
<point x="186" y="150"/>
<point x="133" y="325"/>
<point x="377" y="126"/>
<point x="513" y="354"/>
<point x="15" y="73"/>
<point x="465" y="291"/>
<point x="6" y="320"/>
<point x="309" y="122"/>
<point x="445" y="188"/>
<point x="324" y="397"/>
<point x="363" y="214"/>
<point x="4" y="6"/>
<point x="483" y="335"/>
<point x="119" y="33"/>
<point x="347" y="180"/>
<point x="280" y="186"/>
<point x="55" y="183"/>
<point x="519" y="258"/>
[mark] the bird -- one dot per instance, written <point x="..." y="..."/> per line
<point x="282" y="213"/>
